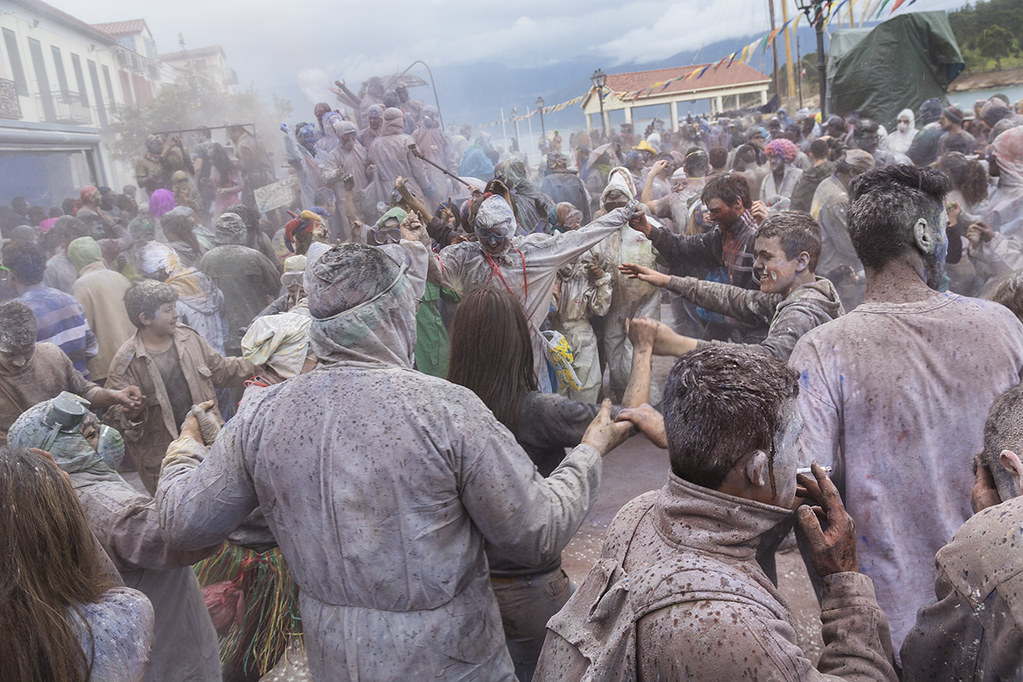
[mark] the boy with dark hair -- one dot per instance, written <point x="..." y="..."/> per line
<point x="60" y="318"/>
<point x="792" y="299"/>
<point x="31" y="371"/>
<point x="173" y="366"/>
<point x="677" y="592"/>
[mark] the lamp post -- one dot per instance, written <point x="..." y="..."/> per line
<point x="599" y="78"/>
<point x="812" y="10"/>
<point x="432" y="85"/>
<point x="543" y="129"/>
<point x="515" y="120"/>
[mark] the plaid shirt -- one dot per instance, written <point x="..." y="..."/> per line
<point x="737" y="251"/>
<point x="61" y="321"/>
<point x="698" y="254"/>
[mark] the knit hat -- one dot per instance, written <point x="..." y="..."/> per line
<point x="953" y="114"/>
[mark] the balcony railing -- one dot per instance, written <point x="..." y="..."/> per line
<point x="10" y="105"/>
<point x="68" y="107"/>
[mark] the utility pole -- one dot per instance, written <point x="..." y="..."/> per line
<point x="504" y="130"/>
<point x="788" y="49"/>
<point x="774" y="50"/>
<point x="799" y="72"/>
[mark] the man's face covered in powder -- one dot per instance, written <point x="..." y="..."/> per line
<point x="495" y="225"/>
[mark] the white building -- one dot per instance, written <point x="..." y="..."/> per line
<point x="61" y="82"/>
<point x="58" y="87"/>
<point x="208" y="62"/>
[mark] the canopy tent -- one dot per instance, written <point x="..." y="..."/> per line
<point x="894" y="66"/>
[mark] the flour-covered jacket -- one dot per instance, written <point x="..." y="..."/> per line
<point x="975" y="629"/>
<point x="808" y="306"/>
<point x="528" y="270"/>
<point x="706" y="610"/>
<point x="381" y="484"/>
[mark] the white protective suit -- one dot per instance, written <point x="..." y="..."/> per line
<point x="528" y="269"/>
<point x="631" y="297"/>
<point x="381" y="485"/>
<point x="899" y="141"/>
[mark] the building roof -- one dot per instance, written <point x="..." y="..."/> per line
<point x="122" y="28"/>
<point x="723" y="76"/>
<point x="54" y="14"/>
<point x="192" y="53"/>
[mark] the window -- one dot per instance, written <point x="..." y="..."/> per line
<point x="76" y="64"/>
<point x="58" y="62"/>
<point x="101" y="107"/>
<point x="109" y="84"/>
<point x="42" y="79"/>
<point x="11" y="41"/>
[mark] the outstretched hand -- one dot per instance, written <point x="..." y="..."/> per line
<point x="648" y="275"/>
<point x="828" y="526"/>
<point x="603" y="434"/>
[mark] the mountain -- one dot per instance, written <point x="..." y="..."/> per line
<point x="475" y="94"/>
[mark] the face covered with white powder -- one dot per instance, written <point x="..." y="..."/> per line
<point x="495" y="224"/>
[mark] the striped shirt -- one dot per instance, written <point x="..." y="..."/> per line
<point x="61" y="321"/>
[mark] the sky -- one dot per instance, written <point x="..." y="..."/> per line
<point x="296" y="49"/>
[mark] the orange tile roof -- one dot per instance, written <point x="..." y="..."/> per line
<point x="120" y="28"/>
<point x="737" y="73"/>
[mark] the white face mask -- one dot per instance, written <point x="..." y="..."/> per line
<point x="902" y="126"/>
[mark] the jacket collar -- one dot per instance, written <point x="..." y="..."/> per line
<point x="689" y="515"/>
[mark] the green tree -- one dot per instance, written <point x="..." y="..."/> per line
<point x="995" y="43"/>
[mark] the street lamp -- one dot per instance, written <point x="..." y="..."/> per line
<point x="539" y="107"/>
<point x="599" y="78"/>
<point x="432" y="85"/>
<point x="813" y="7"/>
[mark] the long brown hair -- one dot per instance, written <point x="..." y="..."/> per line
<point x="48" y="565"/>
<point x="491" y="353"/>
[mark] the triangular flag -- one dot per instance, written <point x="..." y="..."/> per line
<point x="898" y="4"/>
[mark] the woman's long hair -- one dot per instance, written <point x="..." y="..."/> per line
<point x="491" y="353"/>
<point x="48" y="566"/>
<point x="222" y="162"/>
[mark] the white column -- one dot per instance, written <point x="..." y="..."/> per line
<point x="719" y="104"/>
<point x="673" y="113"/>
<point x="763" y="96"/>
<point x="589" y="127"/>
<point x="628" y="114"/>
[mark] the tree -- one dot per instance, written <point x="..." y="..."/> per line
<point x="996" y="42"/>
<point x="188" y="103"/>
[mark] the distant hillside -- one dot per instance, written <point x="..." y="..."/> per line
<point x="475" y="94"/>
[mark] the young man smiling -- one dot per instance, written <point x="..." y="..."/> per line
<point x="792" y="299"/>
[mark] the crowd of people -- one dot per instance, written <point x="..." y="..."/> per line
<point x="355" y="445"/>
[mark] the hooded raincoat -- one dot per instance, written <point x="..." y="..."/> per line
<point x="392" y="483"/>
<point x="392" y="158"/>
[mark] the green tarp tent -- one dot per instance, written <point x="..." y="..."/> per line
<point x="894" y="66"/>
